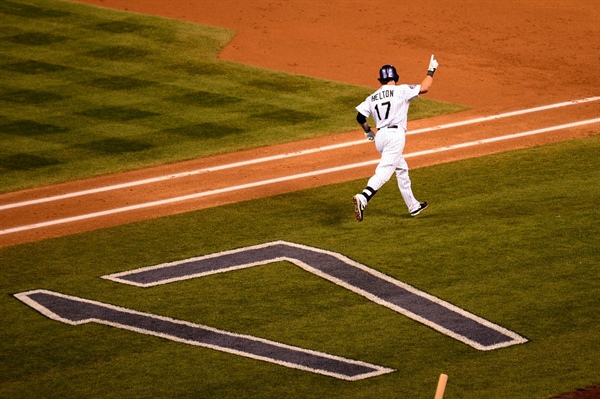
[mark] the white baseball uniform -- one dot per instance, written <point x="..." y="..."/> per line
<point x="389" y="108"/>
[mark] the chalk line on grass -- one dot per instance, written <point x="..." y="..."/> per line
<point x="286" y="178"/>
<point x="284" y="156"/>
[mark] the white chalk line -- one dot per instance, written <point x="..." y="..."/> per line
<point x="288" y="178"/>
<point x="507" y="114"/>
<point x="284" y="156"/>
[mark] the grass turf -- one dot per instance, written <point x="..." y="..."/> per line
<point x="514" y="240"/>
<point x="86" y="91"/>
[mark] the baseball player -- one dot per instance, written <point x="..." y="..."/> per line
<point x="389" y="108"/>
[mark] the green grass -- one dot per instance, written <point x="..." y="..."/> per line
<point x="86" y="91"/>
<point x="511" y="237"/>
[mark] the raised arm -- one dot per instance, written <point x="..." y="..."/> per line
<point x="428" y="80"/>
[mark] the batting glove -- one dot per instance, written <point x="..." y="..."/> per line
<point x="370" y="135"/>
<point x="433" y="64"/>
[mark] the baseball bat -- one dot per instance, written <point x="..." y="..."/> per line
<point x="441" y="387"/>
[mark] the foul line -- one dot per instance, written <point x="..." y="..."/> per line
<point x="287" y="155"/>
<point x="287" y="178"/>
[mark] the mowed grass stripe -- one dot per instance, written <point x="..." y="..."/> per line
<point x="102" y="76"/>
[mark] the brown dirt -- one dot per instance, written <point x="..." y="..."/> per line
<point x="584" y="393"/>
<point x="495" y="56"/>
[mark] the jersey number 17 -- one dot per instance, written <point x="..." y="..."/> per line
<point x="387" y="105"/>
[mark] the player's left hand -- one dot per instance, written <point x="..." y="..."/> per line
<point x="370" y="135"/>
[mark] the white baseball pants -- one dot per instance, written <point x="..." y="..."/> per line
<point x="390" y="144"/>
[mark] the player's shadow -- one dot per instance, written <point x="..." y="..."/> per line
<point x="336" y="212"/>
<point x="331" y="213"/>
<point x="399" y="213"/>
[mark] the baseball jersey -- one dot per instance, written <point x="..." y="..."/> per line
<point x="389" y="105"/>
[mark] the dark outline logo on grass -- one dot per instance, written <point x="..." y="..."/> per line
<point x="384" y="290"/>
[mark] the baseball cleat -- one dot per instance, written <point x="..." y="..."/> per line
<point x="358" y="208"/>
<point x="422" y="207"/>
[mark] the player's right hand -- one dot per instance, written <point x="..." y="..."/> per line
<point x="370" y="135"/>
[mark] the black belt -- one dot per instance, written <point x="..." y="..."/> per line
<point x="393" y="127"/>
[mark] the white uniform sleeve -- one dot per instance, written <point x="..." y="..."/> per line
<point x="411" y="92"/>
<point x="365" y="107"/>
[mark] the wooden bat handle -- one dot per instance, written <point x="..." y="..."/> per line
<point x="441" y="387"/>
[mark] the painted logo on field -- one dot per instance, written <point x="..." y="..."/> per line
<point x="384" y="290"/>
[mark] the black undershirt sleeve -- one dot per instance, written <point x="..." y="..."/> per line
<point x="360" y="118"/>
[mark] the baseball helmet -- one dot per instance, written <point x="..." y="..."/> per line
<point x="388" y="72"/>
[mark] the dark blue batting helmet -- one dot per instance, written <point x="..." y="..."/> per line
<point x="388" y="72"/>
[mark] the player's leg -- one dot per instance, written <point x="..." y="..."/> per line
<point x="390" y="145"/>
<point x="405" y="186"/>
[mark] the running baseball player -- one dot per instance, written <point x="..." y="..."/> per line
<point x="389" y="108"/>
